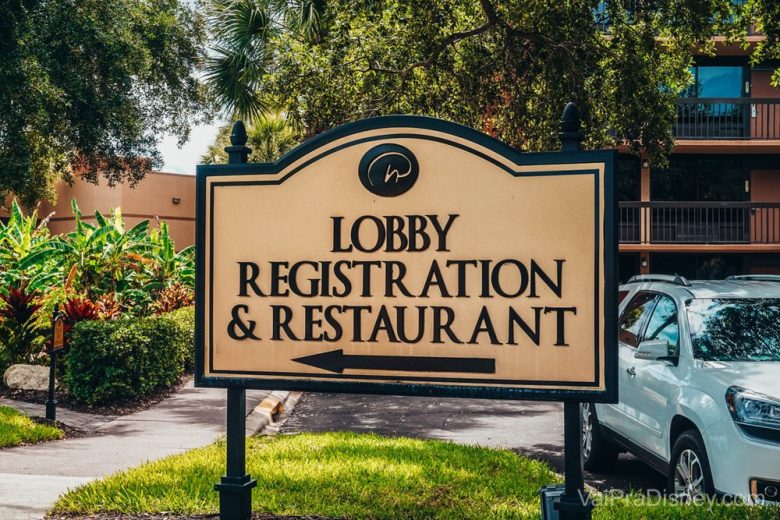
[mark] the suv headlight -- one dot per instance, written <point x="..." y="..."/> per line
<point x="757" y="414"/>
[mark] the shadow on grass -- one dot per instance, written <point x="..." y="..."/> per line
<point x="339" y="475"/>
<point x="348" y="475"/>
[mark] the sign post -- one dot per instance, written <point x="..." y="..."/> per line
<point x="410" y="256"/>
<point x="235" y="487"/>
<point x="574" y="504"/>
<point x="57" y="344"/>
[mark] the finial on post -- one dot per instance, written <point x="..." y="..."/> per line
<point x="570" y="134"/>
<point x="238" y="152"/>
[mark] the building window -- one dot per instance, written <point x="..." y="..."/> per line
<point x="716" y="81"/>
<point x="628" y="266"/>
<point x="628" y="178"/>
<point x="698" y="266"/>
<point x="701" y="178"/>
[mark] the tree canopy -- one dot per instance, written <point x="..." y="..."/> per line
<point x="505" y="67"/>
<point x="91" y="86"/>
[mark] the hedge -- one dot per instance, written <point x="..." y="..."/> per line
<point x="129" y="358"/>
<point x="185" y="320"/>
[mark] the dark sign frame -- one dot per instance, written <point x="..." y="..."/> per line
<point x="609" y="263"/>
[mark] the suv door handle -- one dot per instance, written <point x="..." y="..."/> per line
<point x="631" y="371"/>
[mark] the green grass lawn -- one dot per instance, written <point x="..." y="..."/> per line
<point x="16" y="428"/>
<point x="345" y="475"/>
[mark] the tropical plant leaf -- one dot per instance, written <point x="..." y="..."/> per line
<point x="122" y="270"/>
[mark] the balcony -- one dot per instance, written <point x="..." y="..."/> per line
<point x="727" y="118"/>
<point x="699" y="223"/>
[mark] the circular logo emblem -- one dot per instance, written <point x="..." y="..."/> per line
<point x="388" y="170"/>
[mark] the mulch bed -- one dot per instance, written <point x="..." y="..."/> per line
<point x="147" y="516"/>
<point x="115" y="408"/>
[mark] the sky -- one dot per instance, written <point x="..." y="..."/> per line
<point x="184" y="159"/>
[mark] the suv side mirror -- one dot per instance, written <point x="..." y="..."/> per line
<point x="653" y="349"/>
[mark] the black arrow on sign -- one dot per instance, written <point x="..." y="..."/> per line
<point x="337" y="361"/>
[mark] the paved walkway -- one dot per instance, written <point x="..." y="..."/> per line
<point x="89" y="422"/>
<point x="32" y="477"/>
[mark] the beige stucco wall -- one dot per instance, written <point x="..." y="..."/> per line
<point x="151" y="198"/>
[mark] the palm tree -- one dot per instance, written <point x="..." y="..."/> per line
<point x="269" y="136"/>
<point x="241" y="32"/>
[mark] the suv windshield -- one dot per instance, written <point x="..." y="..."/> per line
<point x="735" y="329"/>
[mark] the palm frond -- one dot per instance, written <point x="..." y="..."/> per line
<point x="234" y="78"/>
<point x="305" y="17"/>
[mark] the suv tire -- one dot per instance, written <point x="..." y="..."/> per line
<point x="690" y="476"/>
<point x="598" y="454"/>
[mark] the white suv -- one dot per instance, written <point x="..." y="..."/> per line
<point x="699" y="386"/>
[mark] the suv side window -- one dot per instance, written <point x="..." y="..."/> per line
<point x="632" y="319"/>
<point x="663" y="324"/>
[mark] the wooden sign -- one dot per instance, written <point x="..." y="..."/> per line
<point x="408" y="255"/>
<point x="59" y="334"/>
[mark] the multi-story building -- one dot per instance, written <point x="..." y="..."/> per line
<point x="715" y="211"/>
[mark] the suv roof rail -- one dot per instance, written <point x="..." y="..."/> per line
<point x="668" y="278"/>
<point x="756" y="277"/>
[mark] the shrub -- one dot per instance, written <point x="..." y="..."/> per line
<point x="185" y="321"/>
<point x="98" y="271"/>
<point x="21" y="335"/>
<point x="128" y="358"/>
<point x="79" y="309"/>
<point x="172" y="298"/>
<point x="108" y="308"/>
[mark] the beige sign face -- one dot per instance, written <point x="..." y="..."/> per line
<point x="408" y="256"/>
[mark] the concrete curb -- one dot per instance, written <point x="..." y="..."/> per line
<point x="263" y="414"/>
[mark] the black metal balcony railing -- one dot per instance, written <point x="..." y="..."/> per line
<point x="699" y="222"/>
<point x="727" y="118"/>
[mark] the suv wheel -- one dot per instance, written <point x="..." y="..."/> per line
<point x="598" y="454"/>
<point x="690" y="477"/>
